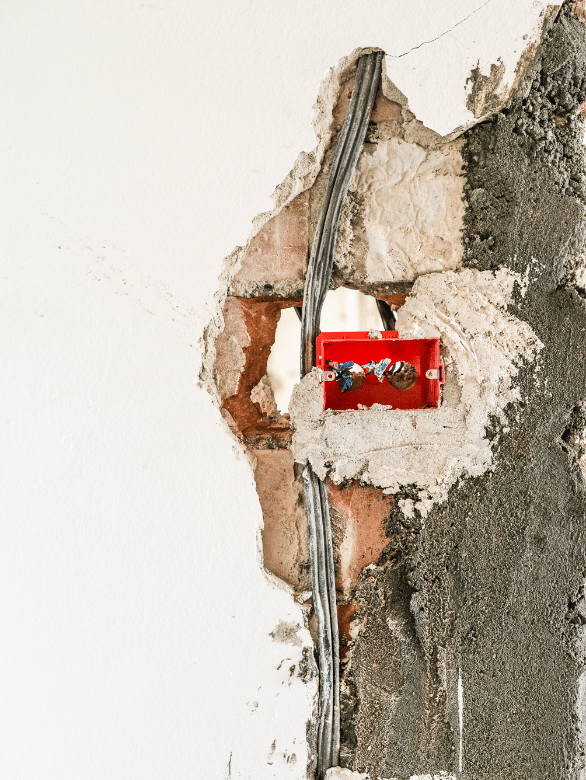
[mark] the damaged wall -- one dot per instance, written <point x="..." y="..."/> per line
<point x="462" y="220"/>
<point x="428" y="449"/>
<point x="143" y="637"/>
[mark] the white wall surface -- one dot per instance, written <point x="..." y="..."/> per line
<point x="139" y="139"/>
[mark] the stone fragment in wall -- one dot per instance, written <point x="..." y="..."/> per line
<point x="230" y="349"/>
<point x="482" y="345"/>
<point x="408" y="209"/>
<point x="279" y="250"/>
<point x="262" y="396"/>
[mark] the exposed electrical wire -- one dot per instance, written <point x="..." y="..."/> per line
<point x="317" y="283"/>
<point x="387" y="315"/>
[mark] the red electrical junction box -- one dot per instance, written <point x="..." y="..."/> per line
<point x="378" y="367"/>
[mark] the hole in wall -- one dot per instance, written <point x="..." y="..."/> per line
<point x="350" y="310"/>
<point x="344" y="310"/>
<point x="283" y="363"/>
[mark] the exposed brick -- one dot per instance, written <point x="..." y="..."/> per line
<point x="397" y="300"/>
<point x="579" y="8"/>
<point x="279" y="249"/>
<point x="364" y="510"/>
<point x="346" y="614"/>
<point x="284" y="535"/>
<point x="242" y="352"/>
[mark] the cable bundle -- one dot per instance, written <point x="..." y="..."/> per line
<point x="317" y="283"/>
<point x="351" y="376"/>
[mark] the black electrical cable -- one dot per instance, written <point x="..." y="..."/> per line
<point x="317" y="283"/>
<point x="387" y="315"/>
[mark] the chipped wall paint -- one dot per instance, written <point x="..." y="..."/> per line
<point x="496" y="70"/>
<point x="427" y="448"/>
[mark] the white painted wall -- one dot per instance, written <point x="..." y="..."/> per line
<point x="139" y="139"/>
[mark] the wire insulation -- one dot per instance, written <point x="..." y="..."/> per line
<point x="317" y="283"/>
<point x="387" y="315"/>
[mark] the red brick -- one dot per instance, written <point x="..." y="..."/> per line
<point x="242" y="352"/>
<point x="579" y="8"/>
<point x="284" y="536"/>
<point x="365" y="510"/>
<point x="279" y="249"/>
<point x="396" y="299"/>
<point x="346" y="614"/>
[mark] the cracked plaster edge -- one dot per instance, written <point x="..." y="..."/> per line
<point x="299" y="179"/>
<point x="302" y="177"/>
<point x="519" y="87"/>
<point x="441" y="35"/>
<point x="523" y="73"/>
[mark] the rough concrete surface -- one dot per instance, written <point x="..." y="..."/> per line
<point x="493" y="582"/>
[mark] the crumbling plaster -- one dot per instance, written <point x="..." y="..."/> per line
<point x="406" y="206"/>
<point x="491" y="343"/>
